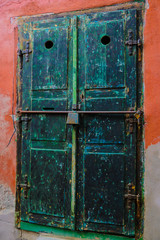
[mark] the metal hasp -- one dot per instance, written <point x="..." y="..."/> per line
<point x="73" y="118"/>
<point x="135" y="118"/>
<point x="26" y="119"/>
<point x="26" y="52"/>
<point x="25" y="186"/>
<point x="130" y="42"/>
<point x="130" y="197"/>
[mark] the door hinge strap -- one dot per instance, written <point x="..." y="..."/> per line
<point x="131" y="42"/>
<point x="25" y="186"/>
<point x="134" y="118"/>
<point x="26" y="51"/>
<point x="26" y="119"/>
<point x="130" y="197"/>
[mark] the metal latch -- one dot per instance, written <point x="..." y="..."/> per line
<point x="130" y="42"/>
<point x="25" y="186"/>
<point x="27" y="51"/>
<point x="73" y="118"/>
<point x="26" y="119"/>
<point x="130" y="197"/>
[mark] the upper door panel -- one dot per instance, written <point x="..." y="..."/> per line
<point x="106" y="69"/>
<point x="50" y="55"/>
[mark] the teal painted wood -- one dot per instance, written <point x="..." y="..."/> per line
<point x="67" y="233"/>
<point x="96" y="160"/>
<point x="25" y="138"/>
<point x="46" y="145"/>
<point x="107" y="151"/>
<point x="131" y="101"/>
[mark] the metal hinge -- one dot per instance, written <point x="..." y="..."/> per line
<point x="27" y="51"/>
<point x="25" y="186"/>
<point x="130" y="197"/>
<point x="26" y="119"/>
<point x="135" y="118"/>
<point x="17" y="218"/>
<point x="131" y="42"/>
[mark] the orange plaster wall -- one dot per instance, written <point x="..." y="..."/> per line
<point x="10" y="9"/>
<point x="152" y="73"/>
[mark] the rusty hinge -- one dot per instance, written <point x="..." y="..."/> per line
<point x="130" y="197"/>
<point x="26" y="119"/>
<point x="25" y="186"/>
<point x="131" y="42"/>
<point x="17" y="218"/>
<point x="27" y="51"/>
<point x="135" y="118"/>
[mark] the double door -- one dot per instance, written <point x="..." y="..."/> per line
<point x="77" y="136"/>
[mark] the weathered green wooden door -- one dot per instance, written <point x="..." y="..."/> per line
<point x="76" y="169"/>
<point x="46" y="143"/>
<point x="107" y="150"/>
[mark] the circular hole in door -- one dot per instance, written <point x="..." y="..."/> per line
<point x="49" y="44"/>
<point x="105" y="40"/>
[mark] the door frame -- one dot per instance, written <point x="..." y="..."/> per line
<point x="140" y="136"/>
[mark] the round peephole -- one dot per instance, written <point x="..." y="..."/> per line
<point x="49" y="44"/>
<point x="105" y="40"/>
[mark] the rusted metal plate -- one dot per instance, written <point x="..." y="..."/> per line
<point x="73" y="118"/>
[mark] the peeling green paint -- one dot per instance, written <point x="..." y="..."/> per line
<point x="79" y="175"/>
<point x="67" y="233"/>
<point x="74" y="129"/>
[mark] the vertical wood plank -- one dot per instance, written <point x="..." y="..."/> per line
<point x="74" y="130"/>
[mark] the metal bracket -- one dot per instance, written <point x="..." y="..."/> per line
<point x="73" y="118"/>
<point x="136" y="118"/>
<point x="27" y="51"/>
<point x="130" y="42"/>
<point x="25" y="186"/>
<point x="131" y="120"/>
<point x="26" y="119"/>
<point x="130" y="197"/>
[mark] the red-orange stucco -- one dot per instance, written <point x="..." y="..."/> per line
<point x="152" y="73"/>
<point x="10" y="9"/>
